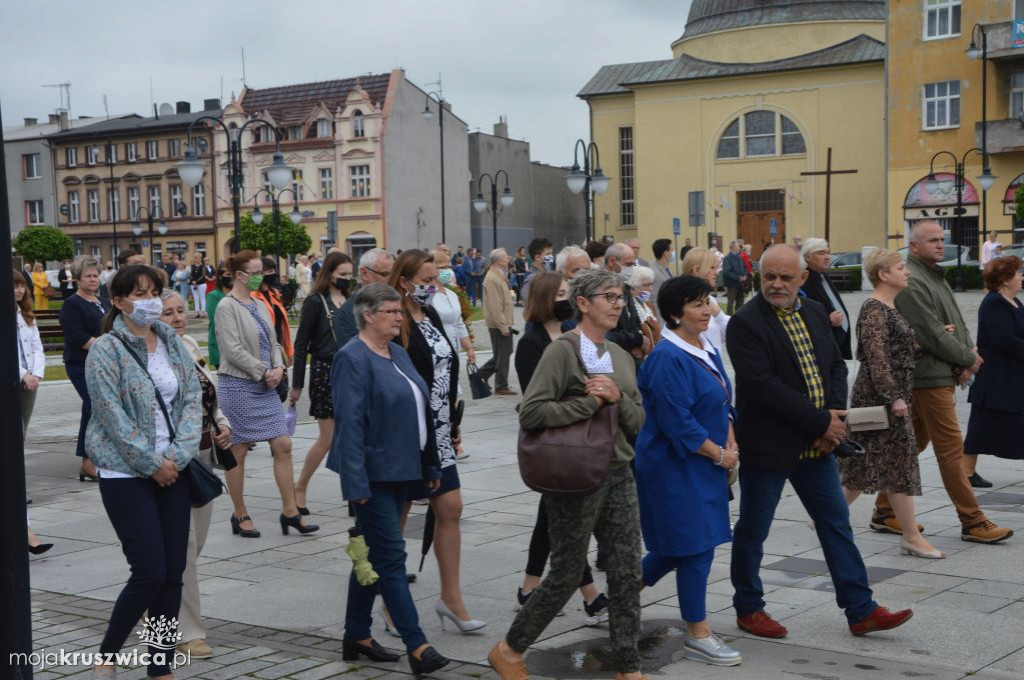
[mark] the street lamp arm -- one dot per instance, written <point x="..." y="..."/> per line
<point x="217" y="121"/>
<point x="480" y="182"/>
<point x="499" y="174"/>
<point x="596" y="158"/>
<point x="931" y="163"/>
<point x="576" y="156"/>
<point x="963" y="161"/>
<point x="260" y="121"/>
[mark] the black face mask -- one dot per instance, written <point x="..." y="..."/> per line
<point x="342" y="284"/>
<point x="270" y="279"/>
<point x="563" y="310"/>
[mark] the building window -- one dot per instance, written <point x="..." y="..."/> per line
<point x="941" y="105"/>
<point x="114" y="204"/>
<point x="268" y="188"/>
<point x="131" y="151"/>
<point x="133" y="203"/>
<point x="263" y="134"/>
<point x="1017" y="92"/>
<point x="34" y="212"/>
<point x="175" y="199"/>
<point x="941" y="18"/>
<point x="792" y="140"/>
<point x="173" y="148"/>
<point x="30" y="166"/>
<point x="74" y="208"/>
<point x="324" y="128"/>
<point x="199" y="200"/>
<point x="152" y="152"/>
<point x="295" y="132"/>
<point x="326" y="183"/>
<point x="92" y="155"/>
<point x="360" y="175"/>
<point x="627" y="195"/>
<point x="1018" y="9"/>
<point x="154" y="201"/>
<point x="297" y="184"/>
<point x="111" y="154"/>
<point x="358" y="129"/>
<point x="201" y="245"/>
<point x="94" y="204"/>
<point x="760" y="133"/>
<point x="96" y="251"/>
<point x="71" y="156"/>
<point x="729" y="143"/>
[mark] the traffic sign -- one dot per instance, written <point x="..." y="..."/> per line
<point x="773" y="227"/>
<point x="677" y="226"/>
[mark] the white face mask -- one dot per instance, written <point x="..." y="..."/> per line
<point x="626" y="273"/>
<point x="146" y="312"/>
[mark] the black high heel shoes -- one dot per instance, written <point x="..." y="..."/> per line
<point x="296" y="523"/>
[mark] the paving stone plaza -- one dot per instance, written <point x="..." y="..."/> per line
<point x="275" y="605"/>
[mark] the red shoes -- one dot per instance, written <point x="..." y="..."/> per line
<point x="761" y="624"/>
<point x="881" y="619"/>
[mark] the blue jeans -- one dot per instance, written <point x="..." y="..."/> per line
<point x="816" y="482"/>
<point x="152" y="524"/>
<point x="691" y="580"/>
<point x="76" y="374"/>
<point x="379" y="519"/>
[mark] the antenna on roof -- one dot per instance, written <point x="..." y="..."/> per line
<point x="243" y="67"/>
<point x="65" y="96"/>
<point x="152" y="102"/>
<point x="106" y="108"/>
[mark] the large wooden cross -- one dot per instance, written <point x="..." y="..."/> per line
<point x="828" y="172"/>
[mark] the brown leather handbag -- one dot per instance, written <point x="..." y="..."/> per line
<point x="572" y="460"/>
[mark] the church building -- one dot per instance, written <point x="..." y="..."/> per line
<point x="774" y="109"/>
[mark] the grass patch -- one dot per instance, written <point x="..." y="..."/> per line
<point x="55" y="373"/>
<point x="477" y="314"/>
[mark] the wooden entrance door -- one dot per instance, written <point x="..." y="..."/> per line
<point x="757" y="212"/>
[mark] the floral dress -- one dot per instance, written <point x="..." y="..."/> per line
<point x="887" y="352"/>
<point x="440" y="391"/>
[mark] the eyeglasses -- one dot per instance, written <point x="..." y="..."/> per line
<point x="388" y="311"/>
<point x="383" y="275"/>
<point x="612" y="298"/>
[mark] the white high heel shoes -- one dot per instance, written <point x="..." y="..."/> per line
<point x="907" y="549"/>
<point x="442" y="611"/>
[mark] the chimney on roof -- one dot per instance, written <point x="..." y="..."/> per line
<point x="501" y="127"/>
<point x="182" y="107"/>
<point x="29" y="122"/>
<point x="54" y="118"/>
<point x="211" y="105"/>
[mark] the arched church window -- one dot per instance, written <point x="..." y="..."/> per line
<point x="763" y="133"/>
<point x="357" y="124"/>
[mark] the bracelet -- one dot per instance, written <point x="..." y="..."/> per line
<point x="721" y="456"/>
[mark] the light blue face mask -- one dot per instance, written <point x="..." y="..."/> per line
<point x="445" y="276"/>
<point x="146" y="312"/>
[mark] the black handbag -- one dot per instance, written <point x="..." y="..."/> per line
<point x="477" y="386"/>
<point x="203" y="484"/>
<point x="225" y="460"/>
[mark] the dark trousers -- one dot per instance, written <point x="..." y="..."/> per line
<point x="497" y="366"/>
<point x="540" y="549"/>
<point x="76" y="374"/>
<point x="152" y="524"/>
<point x="733" y="299"/>
<point x="379" y="519"/>
<point x="816" y="482"/>
<point x="475" y="291"/>
<point x="691" y="580"/>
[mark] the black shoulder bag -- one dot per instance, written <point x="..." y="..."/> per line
<point x="203" y="484"/>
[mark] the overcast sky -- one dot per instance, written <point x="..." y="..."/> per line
<point x="526" y="59"/>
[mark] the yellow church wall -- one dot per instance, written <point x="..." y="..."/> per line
<point x="767" y="43"/>
<point x="676" y="132"/>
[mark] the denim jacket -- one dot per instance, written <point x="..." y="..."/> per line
<point x="121" y="434"/>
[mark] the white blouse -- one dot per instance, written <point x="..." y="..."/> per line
<point x="446" y="304"/>
<point x="31" y="358"/>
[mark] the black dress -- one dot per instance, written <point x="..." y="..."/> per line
<point x="997" y="395"/>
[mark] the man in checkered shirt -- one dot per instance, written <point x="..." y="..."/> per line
<point x="791" y="394"/>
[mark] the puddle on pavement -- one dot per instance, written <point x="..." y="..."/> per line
<point x="661" y="643"/>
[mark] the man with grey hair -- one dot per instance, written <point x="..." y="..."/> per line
<point x="734" y="274"/>
<point x="499" y="316"/>
<point x="790" y="402"/>
<point x="634" y="243"/>
<point x="628" y="334"/>
<point x="374" y="267"/>
<point x="816" y="254"/>
<point x="571" y="260"/>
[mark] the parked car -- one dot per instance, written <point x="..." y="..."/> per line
<point x="950" y="257"/>
<point x="1016" y="249"/>
<point x="847" y="259"/>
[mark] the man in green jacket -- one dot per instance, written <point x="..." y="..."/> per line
<point x="949" y="358"/>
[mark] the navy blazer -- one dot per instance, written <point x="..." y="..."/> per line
<point x="999" y="384"/>
<point x="376" y="431"/>
<point x="775" y="419"/>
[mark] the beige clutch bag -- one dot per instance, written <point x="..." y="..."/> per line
<point x="867" y="418"/>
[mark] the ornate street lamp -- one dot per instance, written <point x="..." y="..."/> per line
<point x="295" y="216"/>
<point x="974" y="53"/>
<point x="506" y="200"/>
<point x="583" y="180"/>
<point x="427" y="115"/>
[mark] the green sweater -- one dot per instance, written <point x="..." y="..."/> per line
<point x="556" y="395"/>
<point x="928" y="305"/>
<point x="213" y="298"/>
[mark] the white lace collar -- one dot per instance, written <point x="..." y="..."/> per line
<point x="591" y="361"/>
<point x="704" y="354"/>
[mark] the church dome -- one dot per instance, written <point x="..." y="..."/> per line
<point x="712" y="16"/>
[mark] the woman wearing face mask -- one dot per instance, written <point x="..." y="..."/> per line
<point x="547" y="307"/>
<point x="316" y="336"/>
<point x="269" y="292"/>
<point x="190" y="622"/>
<point x="144" y="430"/>
<point x="449" y="306"/>
<point x="66" y="280"/>
<point x="224" y="284"/>
<point x="641" y="281"/>
<point x="414" y="276"/>
<point x="251" y="367"/>
<point x="705" y="264"/>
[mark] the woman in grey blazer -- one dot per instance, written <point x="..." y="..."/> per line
<point x="383" y="445"/>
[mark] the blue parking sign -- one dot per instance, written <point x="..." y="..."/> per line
<point x="677" y="226"/>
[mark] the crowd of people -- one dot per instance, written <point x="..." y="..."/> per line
<point x="607" y="332"/>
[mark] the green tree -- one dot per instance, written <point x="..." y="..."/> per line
<point x="293" y="237"/>
<point x="1018" y="202"/>
<point x="43" y="242"/>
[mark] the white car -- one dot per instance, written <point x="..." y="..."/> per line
<point x="950" y="257"/>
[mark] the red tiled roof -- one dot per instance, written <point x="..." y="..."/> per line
<point x="290" y="104"/>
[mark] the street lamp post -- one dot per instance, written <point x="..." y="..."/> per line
<point x="986" y="179"/>
<point x="974" y="53"/>
<point x="586" y="181"/>
<point x="427" y="113"/>
<point x="162" y="228"/>
<point x="257" y="218"/>
<point x="110" y="197"/>
<point x="191" y="170"/>
<point x="480" y="203"/>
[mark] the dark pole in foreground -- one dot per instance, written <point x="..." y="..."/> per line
<point x="15" y="603"/>
<point x="959" y="225"/>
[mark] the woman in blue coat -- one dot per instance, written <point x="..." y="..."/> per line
<point x="683" y="457"/>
